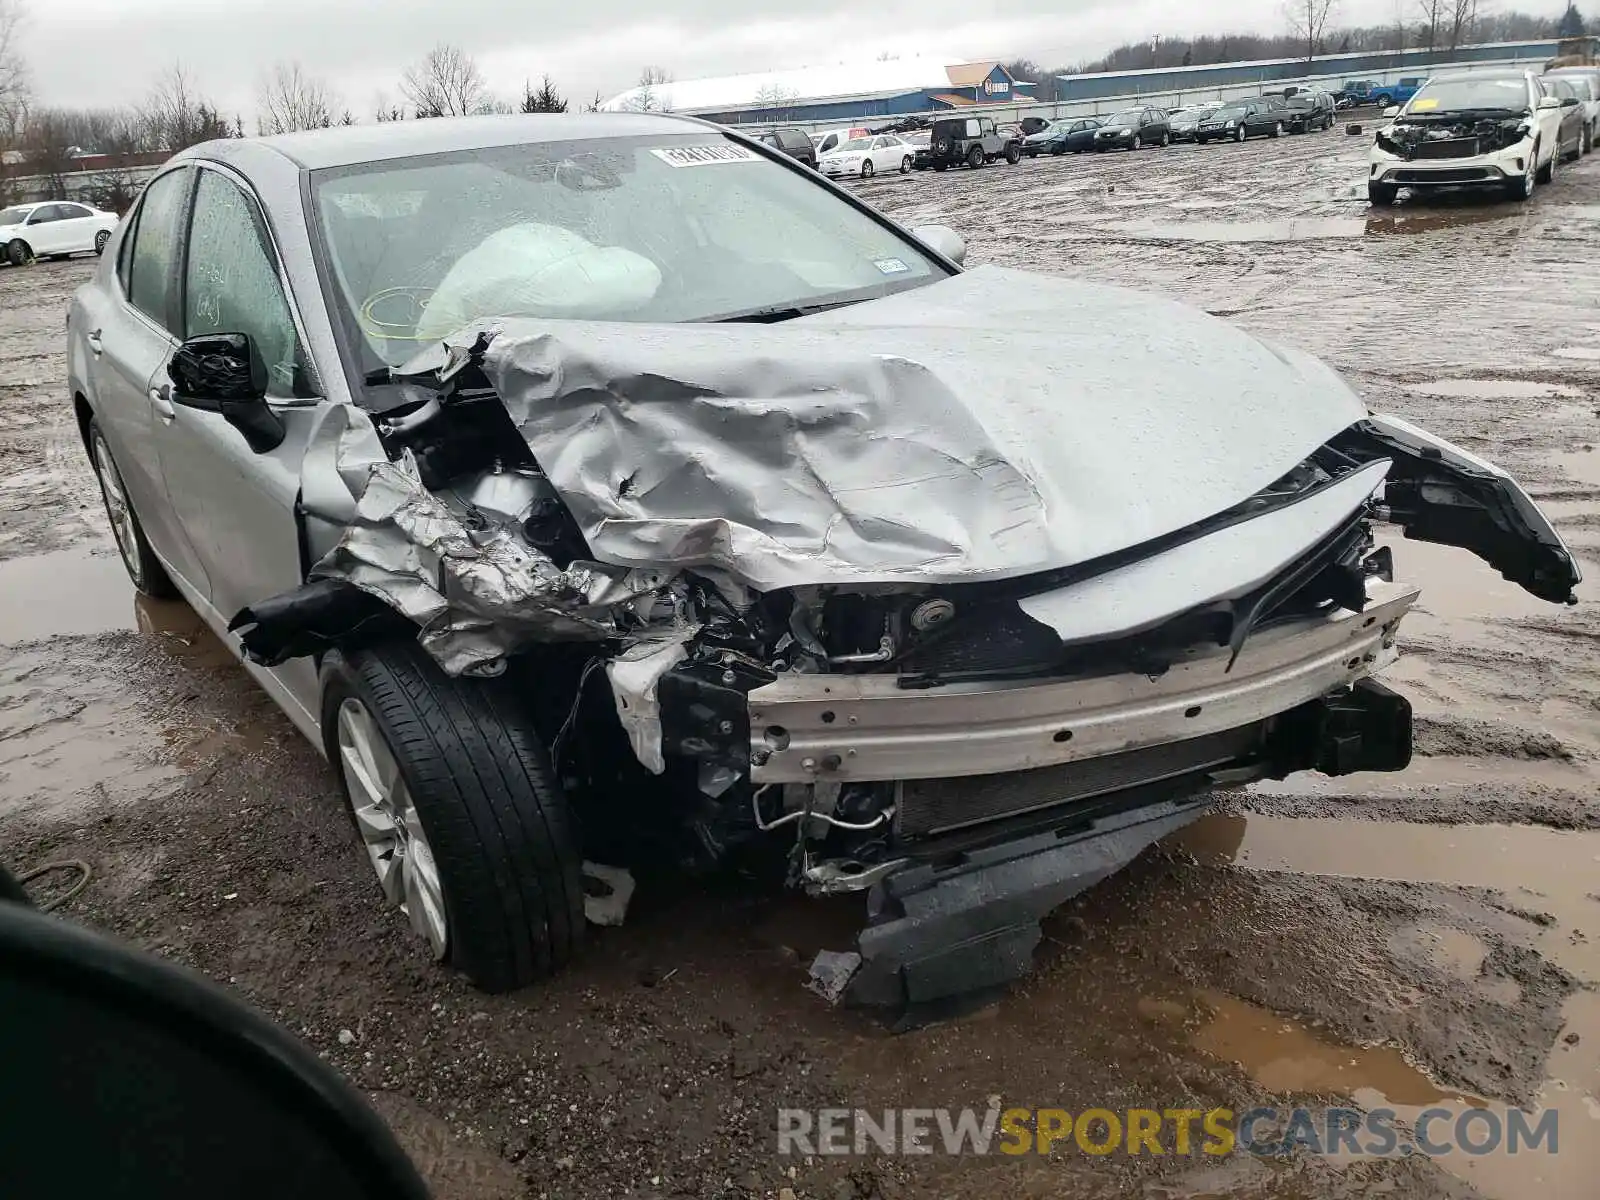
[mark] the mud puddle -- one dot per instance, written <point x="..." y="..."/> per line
<point x="1427" y="220"/>
<point x="1582" y="465"/>
<point x="1307" y="229"/>
<point x="67" y="592"/>
<point x="1555" y="873"/>
<point x="1290" y="1058"/>
<point x="1458" y="585"/>
<point x="1547" y="877"/>
<point x="1430" y="772"/>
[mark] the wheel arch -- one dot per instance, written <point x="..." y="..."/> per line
<point x="83" y="412"/>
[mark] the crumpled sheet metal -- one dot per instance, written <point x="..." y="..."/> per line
<point x="986" y="426"/>
<point x="635" y="676"/>
<point x="478" y="593"/>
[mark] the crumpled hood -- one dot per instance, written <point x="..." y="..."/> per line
<point x="986" y="426"/>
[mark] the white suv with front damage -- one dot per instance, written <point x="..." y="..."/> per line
<point x="587" y="525"/>
<point x="1488" y="129"/>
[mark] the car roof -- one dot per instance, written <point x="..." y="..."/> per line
<point x="351" y="145"/>
<point x="1460" y="76"/>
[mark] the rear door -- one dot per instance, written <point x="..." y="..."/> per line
<point x="130" y="334"/>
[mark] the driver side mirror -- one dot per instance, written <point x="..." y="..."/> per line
<point x="945" y="240"/>
<point x="220" y="372"/>
<point x="1392" y="111"/>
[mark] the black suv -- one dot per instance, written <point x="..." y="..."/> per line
<point x="796" y="143"/>
<point x="970" y="140"/>
<point x="1308" y="110"/>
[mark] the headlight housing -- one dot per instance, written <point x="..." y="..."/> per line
<point x="1230" y="124"/>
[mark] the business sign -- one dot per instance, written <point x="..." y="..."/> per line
<point x="996" y="87"/>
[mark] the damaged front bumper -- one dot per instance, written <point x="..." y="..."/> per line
<point x="810" y="728"/>
<point x="1452" y="168"/>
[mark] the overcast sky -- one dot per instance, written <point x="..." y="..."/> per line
<point x="104" y="52"/>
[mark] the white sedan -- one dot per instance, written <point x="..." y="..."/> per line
<point x="53" y="229"/>
<point x="867" y="156"/>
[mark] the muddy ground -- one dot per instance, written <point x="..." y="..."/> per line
<point x="1391" y="940"/>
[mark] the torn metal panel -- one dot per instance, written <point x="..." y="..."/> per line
<point x="340" y="455"/>
<point x="478" y="591"/>
<point x="1228" y="563"/>
<point x="635" y="676"/>
<point x="1009" y="432"/>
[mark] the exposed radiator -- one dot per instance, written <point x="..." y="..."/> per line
<point x="929" y="806"/>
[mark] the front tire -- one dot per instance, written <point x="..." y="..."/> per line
<point x="1547" y="173"/>
<point x="1382" y="195"/>
<point x="100" y="240"/>
<point x="905" y="165"/>
<point x="18" y="252"/>
<point x="1277" y="129"/>
<point x="459" y="812"/>
<point x="143" y="567"/>
<point x="1239" y="134"/>
<point x="1013" y="156"/>
<point x="867" y="168"/>
<point x="1166" y="140"/>
<point x="1138" y="142"/>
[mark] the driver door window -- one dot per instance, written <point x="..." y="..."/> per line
<point x="231" y="283"/>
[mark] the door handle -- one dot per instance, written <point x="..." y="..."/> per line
<point x="93" y="338"/>
<point x="161" y="401"/>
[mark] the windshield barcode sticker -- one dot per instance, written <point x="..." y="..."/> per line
<point x="705" y="156"/>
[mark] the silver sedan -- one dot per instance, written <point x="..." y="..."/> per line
<point x="609" y="491"/>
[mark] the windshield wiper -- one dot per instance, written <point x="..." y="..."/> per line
<point x="784" y="312"/>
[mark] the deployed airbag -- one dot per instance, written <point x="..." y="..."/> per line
<point x="537" y="270"/>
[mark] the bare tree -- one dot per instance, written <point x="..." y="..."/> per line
<point x="384" y="111"/>
<point x="175" y="116"/>
<point x="1308" y="20"/>
<point x="647" y="96"/>
<point x="776" y="97"/>
<point x="594" y="105"/>
<point x="292" y="100"/>
<point x="14" y="89"/>
<point x="446" y="83"/>
<point x="1462" y="15"/>
<point x="49" y="150"/>
<point x="1433" y="18"/>
<point x="545" y="100"/>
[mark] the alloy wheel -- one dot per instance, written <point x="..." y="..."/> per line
<point x="866" y="168"/>
<point x="390" y="828"/>
<point x="117" y="508"/>
<point x="100" y="240"/>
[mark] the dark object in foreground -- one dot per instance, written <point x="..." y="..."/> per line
<point x="154" y="1082"/>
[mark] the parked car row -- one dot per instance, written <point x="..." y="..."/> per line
<point x="1505" y="131"/>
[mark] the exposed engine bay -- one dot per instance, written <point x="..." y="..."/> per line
<point x="1442" y="135"/>
<point x="972" y="739"/>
